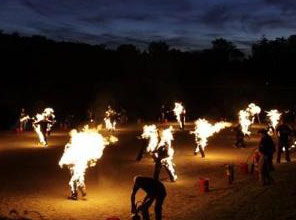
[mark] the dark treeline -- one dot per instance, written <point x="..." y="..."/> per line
<point x="73" y="77"/>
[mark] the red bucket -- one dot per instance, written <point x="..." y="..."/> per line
<point x="244" y="168"/>
<point x="203" y="185"/>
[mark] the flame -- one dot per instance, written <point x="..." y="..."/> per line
<point x="109" y="123"/>
<point x="37" y="128"/>
<point x="274" y="117"/>
<point x="150" y="132"/>
<point x="155" y="141"/>
<point x="83" y="150"/>
<point x="204" y="130"/>
<point x="166" y="139"/>
<point x="247" y="117"/>
<point x="178" y="110"/>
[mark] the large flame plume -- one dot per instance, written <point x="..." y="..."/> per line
<point x="150" y="132"/>
<point x="204" y="130"/>
<point x="247" y="117"/>
<point x="83" y="150"/>
<point x="274" y="117"/>
<point x="178" y="110"/>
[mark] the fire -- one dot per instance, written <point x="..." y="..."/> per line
<point x="37" y="128"/>
<point x="150" y="132"/>
<point x="110" y="122"/>
<point x="247" y="117"/>
<point x="204" y="130"/>
<point x="274" y="117"/>
<point x="83" y="150"/>
<point x="178" y="110"/>
<point x="166" y="139"/>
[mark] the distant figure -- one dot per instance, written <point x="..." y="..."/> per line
<point x="183" y="118"/>
<point x="240" y="137"/>
<point x="163" y="114"/>
<point x="283" y="132"/>
<point x="43" y="123"/>
<point x="23" y="120"/>
<point x="266" y="150"/>
<point x="155" y="190"/>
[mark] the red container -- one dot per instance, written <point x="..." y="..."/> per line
<point x="203" y="185"/>
<point x="244" y="167"/>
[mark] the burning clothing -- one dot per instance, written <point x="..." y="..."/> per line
<point x="41" y="127"/>
<point x="155" y="190"/>
<point x="162" y="158"/>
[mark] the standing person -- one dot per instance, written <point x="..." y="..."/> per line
<point x="163" y="114"/>
<point x="43" y="124"/>
<point x="283" y="132"/>
<point x="183" y="118"/>
<point x="162" y="159"/>
<point x="240" y="137"/>
<point x="266" y="150"/>
<point x="23" y="120"/>
<point x="155" y="190"/>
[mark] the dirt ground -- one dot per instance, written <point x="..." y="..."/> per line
<point x="31" y="180"/>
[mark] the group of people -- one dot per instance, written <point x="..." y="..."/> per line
<point x="263" y="156"/>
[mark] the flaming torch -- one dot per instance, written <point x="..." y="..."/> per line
<point x="204" y="130"/>
<point x="180" y="112"/>
<point x="274" y="118"/>
<point x="83" y="150"/>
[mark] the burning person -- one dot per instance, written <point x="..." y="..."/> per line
<point x="40" y="125"/>
<point x="110" y="119"/>
<point x="84" y="149"/>
<point x="180" y="113"/>
<point x="50" y="116"/>
<point x="204" y="130"/>
<point x="155" y="191"/>
<point x="274" y="117"/>
<point x="150" y="133"/>
<point x="163" y="155"/>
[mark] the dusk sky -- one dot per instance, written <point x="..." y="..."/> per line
<point x="185" y="24"/>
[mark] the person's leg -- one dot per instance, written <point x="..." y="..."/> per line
<point x="157" y="168"/>
<point x="171" y="172"/>
<point x="261" y="170"/>
<point x="287" y="152"/>
<point x="158" y="207"/>
<point x="279" y="152"/>
<point x="201" y="150"/>
<point x="145" y="208"/>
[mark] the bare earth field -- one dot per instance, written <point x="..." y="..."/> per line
<point x="30" y="179"/>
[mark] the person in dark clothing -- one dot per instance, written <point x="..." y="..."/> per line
<point x="266" y="150"/>
<point x="155" y="190"/>
<point x="183" y="117"/>
<point x="240" y="137"/>
<point x="283" y="132"/>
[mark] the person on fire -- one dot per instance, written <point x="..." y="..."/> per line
<point x="43" y="122"/>
<point x="240" y="137"/>
<point x="283" y="132"/>
<point x="266" y="150"/>
<point x="110" y="118"/>
<point x="155" y="191"/>
<point x="76" y="184"/>
<point x="49" y="115"/>
<point x="162" y="158"/>
<point x="182" y="116"/>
